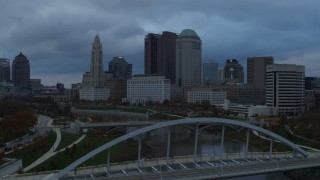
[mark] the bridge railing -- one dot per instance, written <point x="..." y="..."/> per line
<point x="187" y="159"/>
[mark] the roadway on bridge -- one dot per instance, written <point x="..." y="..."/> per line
<point x="207" y="168"/>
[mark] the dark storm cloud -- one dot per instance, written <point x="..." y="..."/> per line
<point x="57" y="35"/>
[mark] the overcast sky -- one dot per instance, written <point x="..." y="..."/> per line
<point x="57" y="35"/>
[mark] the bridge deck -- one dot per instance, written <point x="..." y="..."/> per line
<point x="202" y="167"/>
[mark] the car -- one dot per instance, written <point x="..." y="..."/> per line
<point x="7" y="149"/>
<point x="19" y="145"/>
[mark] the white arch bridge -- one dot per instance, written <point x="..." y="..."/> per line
<point x="195" y="166"/>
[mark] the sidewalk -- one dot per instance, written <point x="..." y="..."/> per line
<point x="52" y="151"/>
<point x="47" y="155"/>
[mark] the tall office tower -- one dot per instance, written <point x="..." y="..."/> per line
<point x="256" y="69"/>
<point x="93" y="82"/>
<point x="233" y="71"/>
<point x="97" y="63"/>
<point x="21" y="71"/>
<point x="285" y="88"/>
<point x="209" y="72"/>
<point x="4" y="70"/>
<point x="120" y="68"/>
<point x="188" y="59"/>
<point x="160" y="54"/>
<point x="308" y="82"/>
<point x="220" y="74"/>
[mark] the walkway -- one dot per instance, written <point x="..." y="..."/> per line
<point x="188" y="167"/>
<point x="48" y="154"/>
<point x="52" y="151"/>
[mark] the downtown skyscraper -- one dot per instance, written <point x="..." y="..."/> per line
<point x="209" y="72"/>
<point x="93" y="83"/>
<point x="256" y="70"/>
<point x="188" y="59"/>
<point x="233" y="71"/>
<point x="120" y="68"/>
<point x="160" y="54"/>
<point x="4" y="70"/>
<point x="21" y="71"/>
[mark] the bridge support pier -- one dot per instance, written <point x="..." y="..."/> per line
<point x="196" y="142"/>
<point x="139" y="152"/>
<point x="168" y="146"/>
<point x="247" y="143"/>
<point x="108" y="159"/>
<point x="222" y="141"/>
<point x="270" y="150"/>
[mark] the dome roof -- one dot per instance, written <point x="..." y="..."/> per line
<point x="118" y="59"/>
<point x="188" y="33"/>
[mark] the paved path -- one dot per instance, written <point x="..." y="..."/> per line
<point x="48" y="154"/>
<point x="76" y="142"/>
<point x="52" y="151"/>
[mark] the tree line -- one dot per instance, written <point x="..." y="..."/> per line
<point x="16" y="120"/>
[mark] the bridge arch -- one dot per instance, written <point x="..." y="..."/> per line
<point x="180" y="122"/>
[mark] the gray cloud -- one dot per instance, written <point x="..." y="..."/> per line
<point x="56" y="35"/>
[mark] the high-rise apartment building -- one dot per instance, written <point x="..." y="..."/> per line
<point x="256" y="70"/>
<point x="233" y="71"/>
<point x="4" y="70"/>
<point x="120" y="68"/>
<point x="188" y="59"/>
<point x="209" y="72"/>
<point x="21" y="71"/>
<point x="93" y="83"/>
<point x="159" y="54"/>
<point x="285" y="88"/>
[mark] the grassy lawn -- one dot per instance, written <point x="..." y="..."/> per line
<point x="91" y="142"/>
<point x="67" y="139"/>
<point x="11" y="136"/>
<point x="282" y="132"/>
<point x="32" y="152"/>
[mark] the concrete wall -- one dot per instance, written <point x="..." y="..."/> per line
<point x="10" y="167"/>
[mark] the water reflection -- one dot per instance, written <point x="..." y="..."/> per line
<point x="183" y="141"/>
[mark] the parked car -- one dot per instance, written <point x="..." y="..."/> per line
<point x="19" y="145"/>
<point x="7" y="149"/>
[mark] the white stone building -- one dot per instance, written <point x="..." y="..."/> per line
<point x="141" y="89"/>
<point x="199" y="95"/>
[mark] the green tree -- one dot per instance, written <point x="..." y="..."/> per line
<point x="283" y="120"/>
<point x="205" y="104"/>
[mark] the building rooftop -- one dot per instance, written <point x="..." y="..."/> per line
<point x="188" y="33"/>
<point x="21" y="56"/>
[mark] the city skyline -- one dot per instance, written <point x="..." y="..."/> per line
<point x="56" y="35"/>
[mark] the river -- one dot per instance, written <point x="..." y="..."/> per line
<point x="182" y="143"/>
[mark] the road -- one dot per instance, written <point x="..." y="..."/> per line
<point x="43" y="126"/>
<point x="206" y="169"/>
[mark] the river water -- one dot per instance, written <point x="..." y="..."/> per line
<point x="182" y="143"/>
